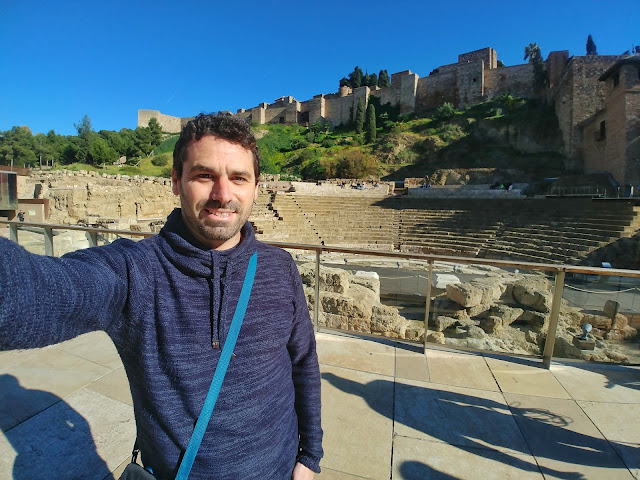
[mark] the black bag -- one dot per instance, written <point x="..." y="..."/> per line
<point x="136" y="472"/>
<point x="133" y="471"/>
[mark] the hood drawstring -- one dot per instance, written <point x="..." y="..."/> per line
<point x="214" y="289"/>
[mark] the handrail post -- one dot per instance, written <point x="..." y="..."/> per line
<point x="13" y="232"/>
<point x="93" y="239"/>
<point x="427" y="307"/>
<point x="48" y="241"/>
<point x="558" y="288"/>
<point x="316" y="304"/>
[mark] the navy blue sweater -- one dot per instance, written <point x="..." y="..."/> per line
<point x="164" y="301"/>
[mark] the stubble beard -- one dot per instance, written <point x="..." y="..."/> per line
<point x="212" y="231"/>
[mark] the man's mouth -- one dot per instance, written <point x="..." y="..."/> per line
<point x="218" y="213"/>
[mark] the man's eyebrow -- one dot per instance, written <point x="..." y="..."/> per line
<point x="198" y="167"/>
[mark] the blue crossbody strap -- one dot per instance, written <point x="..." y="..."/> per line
<point x="221" y="370"/>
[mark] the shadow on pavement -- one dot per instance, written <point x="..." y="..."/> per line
<point x="56" y="443"/>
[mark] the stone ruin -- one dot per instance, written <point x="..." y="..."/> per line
<point x="501" y="312"/>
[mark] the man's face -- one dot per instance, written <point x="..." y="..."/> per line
<point x="217" y="190"/>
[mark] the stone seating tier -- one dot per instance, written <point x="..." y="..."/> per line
<point x="529" y="229"/>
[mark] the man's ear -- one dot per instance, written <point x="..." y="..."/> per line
<point x="255" y="195"/>
<point x="175" y="182"/>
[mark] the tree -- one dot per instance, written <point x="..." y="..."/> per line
<point x="17" y="147"/>
<point x="344" y="82"/>
<point x="371" y="123"/>
<point x="591" y="46"/>
<point x="359" y="116"/>
<point x="373" y="80"/>
<point x="102" y="152"/>
<point x="85" y="137"/>
<point x="143" y="140"/>
<point x="355" y="78"/>
<point x="533" y="53"/>
<point x="156" y="131"/>
<point x="383" y="79"/>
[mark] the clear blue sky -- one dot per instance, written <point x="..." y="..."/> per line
<point x="60" y="60"/>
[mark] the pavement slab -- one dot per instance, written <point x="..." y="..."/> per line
<point x="620" y="424"/>
<point x="599" y="383"/>
<point x="357" y="419"/>
<point x="421" y="459"/>
<point x="459" y="416"/>
<point x="565" y="442"/>
<point x="460" y="369"/>
<point x="94" y="346"/>
<point x="356" y="354"/>
<point x="526" y="378"/>
<point x="40" y="381"/>
<point x="71" y="439"/>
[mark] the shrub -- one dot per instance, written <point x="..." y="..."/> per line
<point x="162" y="160"/>
<point x="445" y="112"/>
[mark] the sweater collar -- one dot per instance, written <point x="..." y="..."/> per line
<point x="189" y="255"/>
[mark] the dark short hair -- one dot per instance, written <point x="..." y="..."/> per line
<point x="228" y="127"/>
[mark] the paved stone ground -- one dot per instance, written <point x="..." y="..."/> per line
<point x="388" y="413"/>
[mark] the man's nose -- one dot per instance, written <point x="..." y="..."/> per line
<point x="221" y="190"/>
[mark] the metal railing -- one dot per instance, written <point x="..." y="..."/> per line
<point x="558" y="271"/>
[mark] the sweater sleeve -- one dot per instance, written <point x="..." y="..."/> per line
<point x="306" y="378"/>
<point x="46" y="300"/>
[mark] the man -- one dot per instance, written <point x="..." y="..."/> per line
<point x="167" y="303"/>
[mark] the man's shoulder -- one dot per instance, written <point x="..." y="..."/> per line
<point x="273" y="254"/>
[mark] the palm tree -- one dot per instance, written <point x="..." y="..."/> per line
<point x="532" y="52"/>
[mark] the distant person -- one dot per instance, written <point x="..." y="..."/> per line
<point x="167" y="304"/>
<point x="21" y="216"/>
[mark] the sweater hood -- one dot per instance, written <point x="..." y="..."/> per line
<point x="188" y="255"/>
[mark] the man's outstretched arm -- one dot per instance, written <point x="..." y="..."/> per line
<point x="46" y="300"/>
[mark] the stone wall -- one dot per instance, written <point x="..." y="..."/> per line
<point x="487" y="55"/>
<point x="517" y="80"/>
<point x="610" y="137"/>
<point x="169" y="124"/>
<point x="434" y="90"/>
<point x="88" y="197"/>
<point x="470" y="83"/>
<point x="578" y="95"/>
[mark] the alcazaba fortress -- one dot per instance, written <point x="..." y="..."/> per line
<point x="596" y="98"/>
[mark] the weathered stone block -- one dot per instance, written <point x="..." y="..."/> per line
<point x="491" y="324"/>
<point x="588" y="344"/>
<point x="387" y="320"/>
<point x="533" y="292"/>
<point x="474" y="293"/>
<point x="610" y="308"/>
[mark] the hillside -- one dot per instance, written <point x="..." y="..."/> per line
<point x="508" y="133"/>
<point x="518" y="135"/>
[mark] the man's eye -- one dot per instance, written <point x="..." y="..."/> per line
<point x="239" y="179"/>
<point x="204" y="175"/>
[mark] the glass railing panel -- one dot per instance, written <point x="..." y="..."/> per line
<point x="599" y="319"/>
<point x="489" y="308"/>
<point x="372" y="295"/>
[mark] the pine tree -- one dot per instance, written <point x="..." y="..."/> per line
<point x="355" y="78"/>
<point x="360" y="117"/>
<point x="371" y="123"/>
<point x="591" y="46"/>
<point x="383" y="79"/>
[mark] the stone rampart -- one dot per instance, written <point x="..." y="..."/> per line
<point x="578" y="95"/>
<point x="516" y="80"/>
<point x="470" y="83"/>
<point x="169" y="124"/>
<point x="434" y="90"/>
<point x="487" y="55"/>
